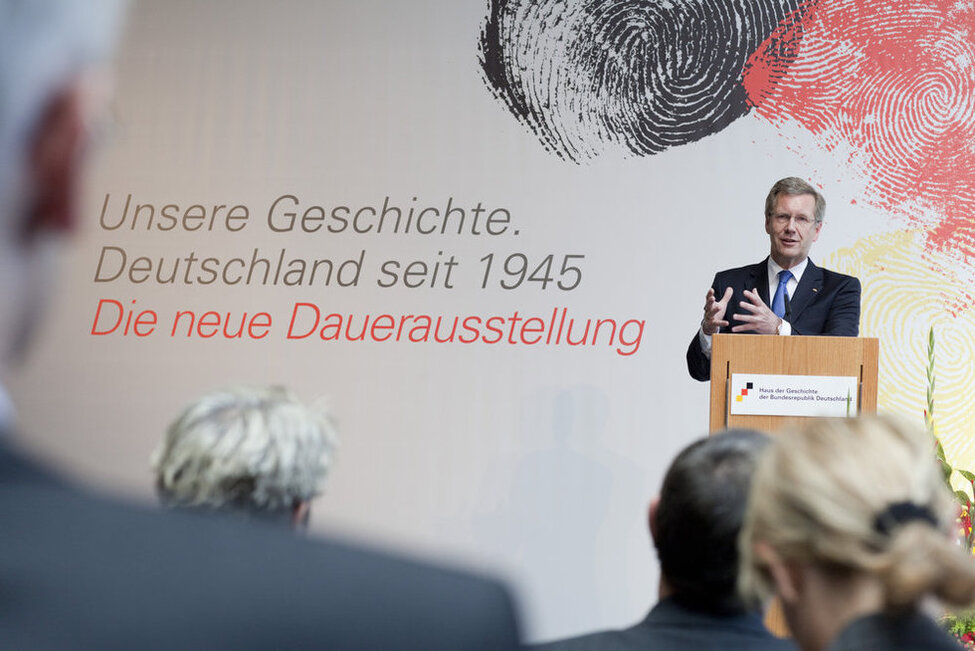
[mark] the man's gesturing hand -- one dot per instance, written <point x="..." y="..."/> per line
<point x="759" y="318"/>
<point x="714" y="312"/>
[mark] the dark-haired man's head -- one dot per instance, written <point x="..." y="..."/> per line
<point x="696" y="519"/>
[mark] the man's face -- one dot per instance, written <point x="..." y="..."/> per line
<point x="792" y="228"/>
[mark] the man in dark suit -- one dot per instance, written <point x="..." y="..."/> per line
<point x="694" y="523"/>
<point x="785" y="294"/>
<point x="82" y="572"/>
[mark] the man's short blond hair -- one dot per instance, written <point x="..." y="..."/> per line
<point x="258" y="449"/>
<point x="793" y="186"/>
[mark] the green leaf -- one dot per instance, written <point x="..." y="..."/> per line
<point x="963" y="498"/>
<point x="946" y="470"/>
<point x="967" y="475"/>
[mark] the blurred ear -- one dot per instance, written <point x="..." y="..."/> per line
<point x="652" y="516"/>
<point x="54" y="163"/>
<point x="785" y="575"/>
<point x="300" y="515"/>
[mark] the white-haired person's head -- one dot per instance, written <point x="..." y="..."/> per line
<point x="254" y="451"/>
<point x="851" y="525"/>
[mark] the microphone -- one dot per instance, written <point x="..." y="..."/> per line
<point x="788" y="307"/>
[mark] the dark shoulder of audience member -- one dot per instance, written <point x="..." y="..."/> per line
<point x="702" y="505"/>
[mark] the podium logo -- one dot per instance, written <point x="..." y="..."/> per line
<point x="744" y="392"/>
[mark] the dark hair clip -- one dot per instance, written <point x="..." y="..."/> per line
<point x="900" y="513"/>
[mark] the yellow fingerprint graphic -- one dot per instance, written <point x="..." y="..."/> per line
<point x="907" y="290"/>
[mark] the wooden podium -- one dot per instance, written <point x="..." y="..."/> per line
<point x="774" y="355"/>
<point x="798" y="355"/>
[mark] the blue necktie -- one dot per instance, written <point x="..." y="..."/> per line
<point x="778" y="301"/>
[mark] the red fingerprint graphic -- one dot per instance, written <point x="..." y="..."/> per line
<point x="893" y="83"/>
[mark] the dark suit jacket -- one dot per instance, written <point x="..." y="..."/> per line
<point x="894" y="632"/>
<point x="824" y="303"/>
<point x="671" y="627"/>
<point x="80" y="572"/>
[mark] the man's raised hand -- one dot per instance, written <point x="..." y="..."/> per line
<point x="714" y="312"/>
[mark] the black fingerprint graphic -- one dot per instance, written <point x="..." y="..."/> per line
<point x="642" y="75"/>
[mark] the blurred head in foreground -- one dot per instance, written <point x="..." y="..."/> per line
<point x="850" y="524"/>
<point x="54" y="87"/>
<point x="696" y="520"/>
<point x="253" y="451"/>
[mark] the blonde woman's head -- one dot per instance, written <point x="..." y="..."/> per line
<point x="861" y="497"/>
